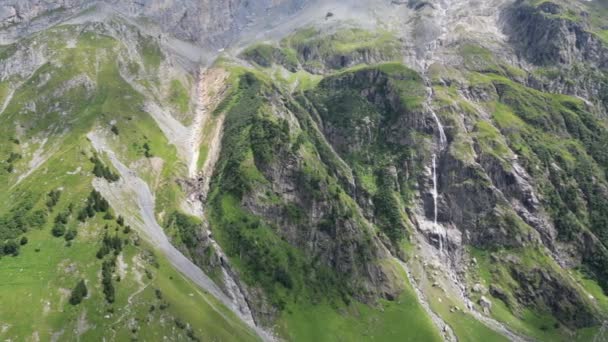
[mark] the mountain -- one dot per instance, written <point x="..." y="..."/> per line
<point x="304" y="170"/>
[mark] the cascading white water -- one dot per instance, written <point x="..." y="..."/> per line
<point x="442" y="144"/>
<point x="442" y="137"/>
<point x="435" y="195"/>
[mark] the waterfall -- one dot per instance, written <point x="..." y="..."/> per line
<point x="435" y="188"/>
<point x="435" y="195"/>
<point x="442" y="137"/>
<point x="442" y="144"/>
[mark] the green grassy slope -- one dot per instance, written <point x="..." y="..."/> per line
<point x="82" y="89"/>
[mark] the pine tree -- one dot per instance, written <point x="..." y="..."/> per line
<point x="78" y="293"/>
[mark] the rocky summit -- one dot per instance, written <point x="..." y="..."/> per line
<point x="304" y="170"/>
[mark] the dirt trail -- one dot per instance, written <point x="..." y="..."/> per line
<point x="7" y="101"/>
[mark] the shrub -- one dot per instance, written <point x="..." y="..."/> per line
<point x="11" y="248"/>
<point x="147" y="152"/>
<point x="70" y="235"/>
<point x="58" y="229"/>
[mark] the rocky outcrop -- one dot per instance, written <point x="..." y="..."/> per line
<point x="543" y="287"/>
<point x="266" y="55"/>
<point x="317" y="53"/>
<point x="310" y="55"/>
<point x="15" y="12"/>
<point x="553" y="36"/>
<point x="546" y="35"/>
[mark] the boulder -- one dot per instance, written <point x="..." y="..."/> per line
<point x="486" y="304"/>
<point x="478" y="288"/>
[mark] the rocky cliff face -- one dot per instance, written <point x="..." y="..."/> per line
<point x="562" y="35"/>
<point x="550" y="34"/>
<point x="210" y="23"/>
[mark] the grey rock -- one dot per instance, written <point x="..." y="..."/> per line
<point x="486" y="304"/>
<point x="478" y="288"/>
<point x="547" y="40"/>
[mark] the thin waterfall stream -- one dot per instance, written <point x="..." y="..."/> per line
<point x="442" y="144"/>
<point x="435" y="195"/>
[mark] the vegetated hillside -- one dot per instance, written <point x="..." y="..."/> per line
<point x="57" y="231"/>
<point x="504" y="223"/>
<point x="313" y="187"/>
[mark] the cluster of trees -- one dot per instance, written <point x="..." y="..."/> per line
<point x="268" y="260"/>
<point x="23" y="217"/>
<point x="12" y="158"/>
<point x="53" y="198"/>
<point x="187" y="227"/>
<point x="20" y="218"/>
<point x="387" y="208"/>
<point x="268" y="138"/>
<point x="107" y="270"/>
<point x="60" y="221"/>
<point x="100" y="170"/>
<point x="60" y="226"/>
<point x="189" y="332"/>
<point x="95" y="204"/>
<point x="109" y="244"/>
<point x="11" y="247"/>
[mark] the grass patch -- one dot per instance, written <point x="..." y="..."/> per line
<point x="402" y="319"/>
<point x="179" y="97"/>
